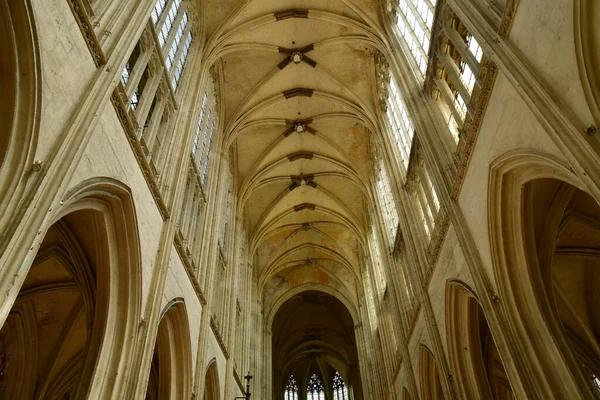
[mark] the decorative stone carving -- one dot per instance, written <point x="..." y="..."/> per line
<point x="87" y="29"/>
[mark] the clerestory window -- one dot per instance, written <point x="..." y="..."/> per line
<point x="386" y="199"/>
<point x="204" y="136"/>
<point x="415" y="20"/>
<point x="399" y="122"/>
<point x="174" y="36"/>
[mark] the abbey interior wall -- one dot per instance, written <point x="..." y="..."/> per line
<point x="541" y="37"/>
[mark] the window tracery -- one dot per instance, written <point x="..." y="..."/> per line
<point x="340" y="392"/>
<point x="291" y="390"/>
<point x="315" y="389"/>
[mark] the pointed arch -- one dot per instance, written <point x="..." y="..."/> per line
<point x="83" y="289"/>
<point x="431" y="386"/>
<point x="171" y="371"/>
<point x="212" y="387"/>
<point x="522" y="271"/>
<point x="477" y="364"/>
<point x="120" y="278"/>
<point x="20" y="103"/>
<point x="587" y="46"/>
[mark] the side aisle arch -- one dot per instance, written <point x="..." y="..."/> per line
<point x="541" y="221"/>
<point x="212" y="388"/>
<point x="171" y="370"/>
<point x="80" y="301"/>
<point x="587" y="45"/>
<point x="477" y="364"/>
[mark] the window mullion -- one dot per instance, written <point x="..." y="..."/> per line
<point x="403" y="132"/>
<point x="428" y="217"/>
<point x="461" y="46"/>
<point x="173" y="31"/>
<point x="414" y="37"/>
<point x="150" y="131"/>
<point x="419" y="18"/>
<point x="179" y="53"/>
<point x="137" y="71"/>
<point x="427" y="189"/>
<point x="452" y="69"/>
<point x="403" y="129"/>
<point x="147" y="96"/>
<point x="163" y="17"/>
<point x="444" y="89"/>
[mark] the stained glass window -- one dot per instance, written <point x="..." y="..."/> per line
<point x="291" y="390"/>
<point x="315" y="389"/>
<point x="340" y="392"/>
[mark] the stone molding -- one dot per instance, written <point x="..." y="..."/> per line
<point x="82" y="18"/>
<point x="188" y="265"/>
<point x="129" y="126"/>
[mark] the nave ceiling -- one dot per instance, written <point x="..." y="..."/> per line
<point x="298" y="104"/>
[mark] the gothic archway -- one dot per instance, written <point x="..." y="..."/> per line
<point x="212" y="389"/>
<point x="19" y="104"/>
<point x="431" y="386"/>
<point x="587" y="45"/>
<point x="79" y="303"/>
<point x="479" y="370"/>
<point x="170" y="373"/>
<point x="405" y="394"/>
<point x="545" y="244"/>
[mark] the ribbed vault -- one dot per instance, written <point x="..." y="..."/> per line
<point x="299" y="108"/>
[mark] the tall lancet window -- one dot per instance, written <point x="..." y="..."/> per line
<point x="205" y="132"/>
<point x="340" y="392"/>
<point x="315" y="389"/>
<point x="291" y="390"/>
<point x="415" y="20"/>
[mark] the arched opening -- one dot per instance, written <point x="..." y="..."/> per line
<point x="314" y="342"/>
<point x="20" y="101"/>
<point x="562" y="228"/>
<point x="171" y="363"/>
<point x="405" y="394"/>
<point x="53" y="334"/>
<point x="431" y="386"/>
<point x="211" y="385"/>
<point x="545" y="236"/>
<point x="478" y="367"/>
<point x="587" y="44"/>
<point x="71" y="330"/>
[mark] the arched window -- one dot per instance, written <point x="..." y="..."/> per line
<point x="291" y="390"/>
<point x="315" y="389"/>
<point x="340" y="392"/>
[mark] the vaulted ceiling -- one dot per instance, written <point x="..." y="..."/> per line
<point x="299" y="104"/>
